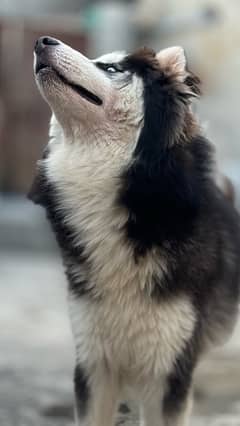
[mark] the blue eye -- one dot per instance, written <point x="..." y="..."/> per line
<point x="111" y="69"/>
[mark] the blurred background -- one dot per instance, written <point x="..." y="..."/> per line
<point x="36" y="356"/>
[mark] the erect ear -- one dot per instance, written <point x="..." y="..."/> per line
<point x="173" y="61"/>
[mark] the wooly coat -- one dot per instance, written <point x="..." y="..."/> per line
<point x="149" y="242"/>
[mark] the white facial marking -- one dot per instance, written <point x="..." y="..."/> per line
<point x="121" y="96"/>
<point x="111" y="57"/>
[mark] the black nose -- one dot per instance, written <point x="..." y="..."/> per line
<point x="43" y="42"/>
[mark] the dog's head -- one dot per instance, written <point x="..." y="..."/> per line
<point x="117" y="95"/>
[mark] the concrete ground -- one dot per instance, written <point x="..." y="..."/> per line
<point x="37" y="355"/>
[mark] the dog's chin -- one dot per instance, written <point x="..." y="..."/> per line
<point x="74" y="114"/>
<point x="46" y="74"/>
<point x="47" y="81"/>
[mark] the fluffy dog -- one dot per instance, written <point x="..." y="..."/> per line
<point x="149" y="242"/>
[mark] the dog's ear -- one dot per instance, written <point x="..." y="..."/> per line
<point x="173" y="61"/>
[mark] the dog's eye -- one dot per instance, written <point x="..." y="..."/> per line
<point x="112" y="69"/>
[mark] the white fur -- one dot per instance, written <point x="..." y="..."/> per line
<point x="111" y="57"/>
<point x="134" y="334"/>
<point x="124" y="338"/>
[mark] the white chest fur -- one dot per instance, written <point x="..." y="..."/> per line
<point x="134" y="336"/>
<point x="133" y="333"/>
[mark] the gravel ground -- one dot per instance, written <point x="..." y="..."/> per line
<point x="36" y="357"/>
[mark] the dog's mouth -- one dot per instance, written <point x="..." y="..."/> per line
<point x="82" y="91"/>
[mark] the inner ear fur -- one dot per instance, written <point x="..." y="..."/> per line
<point x="173" y="62"/>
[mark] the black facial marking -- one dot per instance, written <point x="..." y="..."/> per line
<point x="142" y="62"/>
<point x="165" y="104"/>
<point x="82" y="392"/>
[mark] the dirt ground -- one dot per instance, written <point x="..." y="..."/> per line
<point x="36" y="357"/>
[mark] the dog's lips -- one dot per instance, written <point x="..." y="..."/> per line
<point x="82" y="91"/>
<point x="40" y="66"/>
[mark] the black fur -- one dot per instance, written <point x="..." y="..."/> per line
<point x="82" y="391"/>
<point x="78" y="287"/>
<point x="164" y="192"/>
<point x="179" y="383"/>
<point x="165" y="186"/>
<point x="44" y="193"/>
<point x="168" y="185"/>
<point x="175" y="206"/>
<point x="199" y="263"/>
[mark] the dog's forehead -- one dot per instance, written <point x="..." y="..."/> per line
<point x="112" y="57"/>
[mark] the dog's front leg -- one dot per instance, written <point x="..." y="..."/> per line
<point x="151" y="412"/>
<point x="155" y="413"/>
<point x="96" y="397"/>
<point x="178" y="401"/>
<point x="181" y="415"/>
